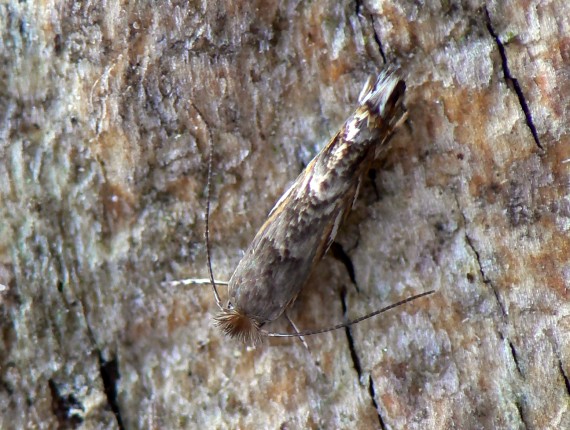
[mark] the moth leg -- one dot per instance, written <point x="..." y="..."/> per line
<point x="297" y="331"/>
<point x="191" y="281"/>
<point x="302" y="339"/>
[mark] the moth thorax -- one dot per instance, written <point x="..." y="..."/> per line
<point x="239" y="326"/>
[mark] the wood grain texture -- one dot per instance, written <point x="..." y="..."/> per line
<point x="104" y="114"/>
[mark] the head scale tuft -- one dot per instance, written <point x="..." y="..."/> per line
<point x="237" y="325"/>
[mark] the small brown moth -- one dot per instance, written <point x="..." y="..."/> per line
<point x="304" y="222"/>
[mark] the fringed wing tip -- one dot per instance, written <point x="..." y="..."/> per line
<point x="238" y="326"/>
<point x="385" y="94"/>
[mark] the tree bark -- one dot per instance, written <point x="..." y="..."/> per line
<point x="107" y="111"/>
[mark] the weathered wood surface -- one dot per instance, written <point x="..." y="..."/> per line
<point x="104" y="164"/>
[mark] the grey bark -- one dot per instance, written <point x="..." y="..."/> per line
<point x="105" y="114"/>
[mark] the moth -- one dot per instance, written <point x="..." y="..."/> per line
<point x="305" y="220"/>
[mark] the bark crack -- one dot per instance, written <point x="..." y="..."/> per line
<point x="349" y="338"/>
<point x="359" y="7"/>
<point x="564" y="376"/>
<point x="379" y="43"/>
<point x="338" y="252"/>
<point x="356" y="360"/>
<point x="372" y="177"/>
<point x="110" y="375"/>
<point x="108" y="371"/>
<point x="515" y="357"/>
<point x="521" y="413"/>
<point x="484" y="276"/>
<point x="372" y="392"/>
<point x="486" y="279"/>
<point x="513" y="81"/>
<point x="67" y="408"/>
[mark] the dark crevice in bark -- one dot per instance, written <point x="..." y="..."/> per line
<point x="109" y="372"/>
<point x="521" y="413"/>
<point x="372" y="177"/>
<point x="379" y="43"/>
<point x="484" y="276"/>
<point x="515" y="83"/>
<point x="360" y="8"/>
<point x="66" y="407"/>
<point x="110" y="376"/>
<point x="349" y="338"/>
<point x="372" y="392"/>
<point x="486" y="280"/>
<point x="338" y="253"/>
<point x="565" y="377"/>
<point x="357" y="7"/>
<point x="356" y="360"/>
<point x="515" y="357"/>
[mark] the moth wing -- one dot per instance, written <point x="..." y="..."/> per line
<point x="331" y="231"/>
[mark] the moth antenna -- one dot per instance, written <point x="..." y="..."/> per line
<point x="351" y="322"/>
<point x="192" y="281"/>
<point x="207" y="220"/>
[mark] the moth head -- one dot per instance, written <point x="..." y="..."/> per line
<point x="237" y="325"/>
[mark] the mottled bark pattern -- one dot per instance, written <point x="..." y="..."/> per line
<point x="103" y="167"/>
